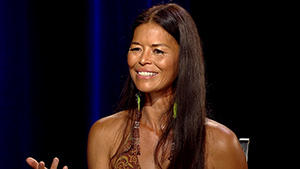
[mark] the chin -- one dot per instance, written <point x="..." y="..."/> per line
<point x="151" y="89"/>
<point x="145" y="89"/>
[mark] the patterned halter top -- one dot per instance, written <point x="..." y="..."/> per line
<point x="131" y="150"/>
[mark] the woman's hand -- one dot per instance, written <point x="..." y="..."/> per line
<point x="41" y="165"/>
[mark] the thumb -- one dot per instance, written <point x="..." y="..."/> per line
<point x="32" y="162"/>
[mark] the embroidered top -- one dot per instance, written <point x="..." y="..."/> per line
<point x="131" y="149"/>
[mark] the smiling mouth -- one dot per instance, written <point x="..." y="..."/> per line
<point x="147" y="73"/>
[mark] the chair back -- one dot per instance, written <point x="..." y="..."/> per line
<point x="245" y="146"/>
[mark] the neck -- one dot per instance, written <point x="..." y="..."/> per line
<point x="155" y="106"/>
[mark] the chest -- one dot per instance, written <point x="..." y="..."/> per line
<point x="148" y="145"/>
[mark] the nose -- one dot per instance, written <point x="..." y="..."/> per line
<point x="145" y="58"/>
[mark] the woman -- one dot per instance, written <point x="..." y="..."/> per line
<point x="162" y="122"/>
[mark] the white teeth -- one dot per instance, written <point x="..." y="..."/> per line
<point x="147" y="73"/>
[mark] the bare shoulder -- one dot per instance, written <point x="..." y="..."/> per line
<point x="218" y="132"/>
<point x="223" y="147"/>
<point x="108" y="129"/>
<point x="104" y="138"/>
<point x="109" y="124"/>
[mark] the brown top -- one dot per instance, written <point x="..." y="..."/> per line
<point x="131" y="150"/>
<point x="128" y="158"/>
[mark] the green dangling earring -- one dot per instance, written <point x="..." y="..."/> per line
<point x="138" y="101"/>
<point x="175" y="110"/>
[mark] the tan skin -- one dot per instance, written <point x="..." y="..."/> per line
<point x="152" y="61"/>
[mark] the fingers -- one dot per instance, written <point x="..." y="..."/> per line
<point x="32" y="163"/>
<point x="54" y="163"/>
<point x="41" y="165"/>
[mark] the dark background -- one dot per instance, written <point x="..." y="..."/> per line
<point x="63" y="64"/>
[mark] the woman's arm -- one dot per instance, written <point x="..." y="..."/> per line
<point x="98" y="147"/>
<point x="104" y="139"/>
<point x="230" y="154"/>
<point x="224" y="149"/>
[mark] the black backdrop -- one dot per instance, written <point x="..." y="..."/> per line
<point x="63" y="64"/>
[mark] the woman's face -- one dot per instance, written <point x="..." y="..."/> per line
<point x="153" y="58"/>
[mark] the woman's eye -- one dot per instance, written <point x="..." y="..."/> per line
<point x="134" y="49"/>
<point x="157" y="51"/>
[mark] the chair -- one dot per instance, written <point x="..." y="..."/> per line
<point x="245" y="146"/>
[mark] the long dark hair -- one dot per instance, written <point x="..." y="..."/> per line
<point x="188" y="130"/>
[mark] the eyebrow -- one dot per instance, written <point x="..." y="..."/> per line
<point x="153" y="45"/>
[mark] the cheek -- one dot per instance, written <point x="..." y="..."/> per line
<point x="131" y="60"/>
<point x="170" y="65"/>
